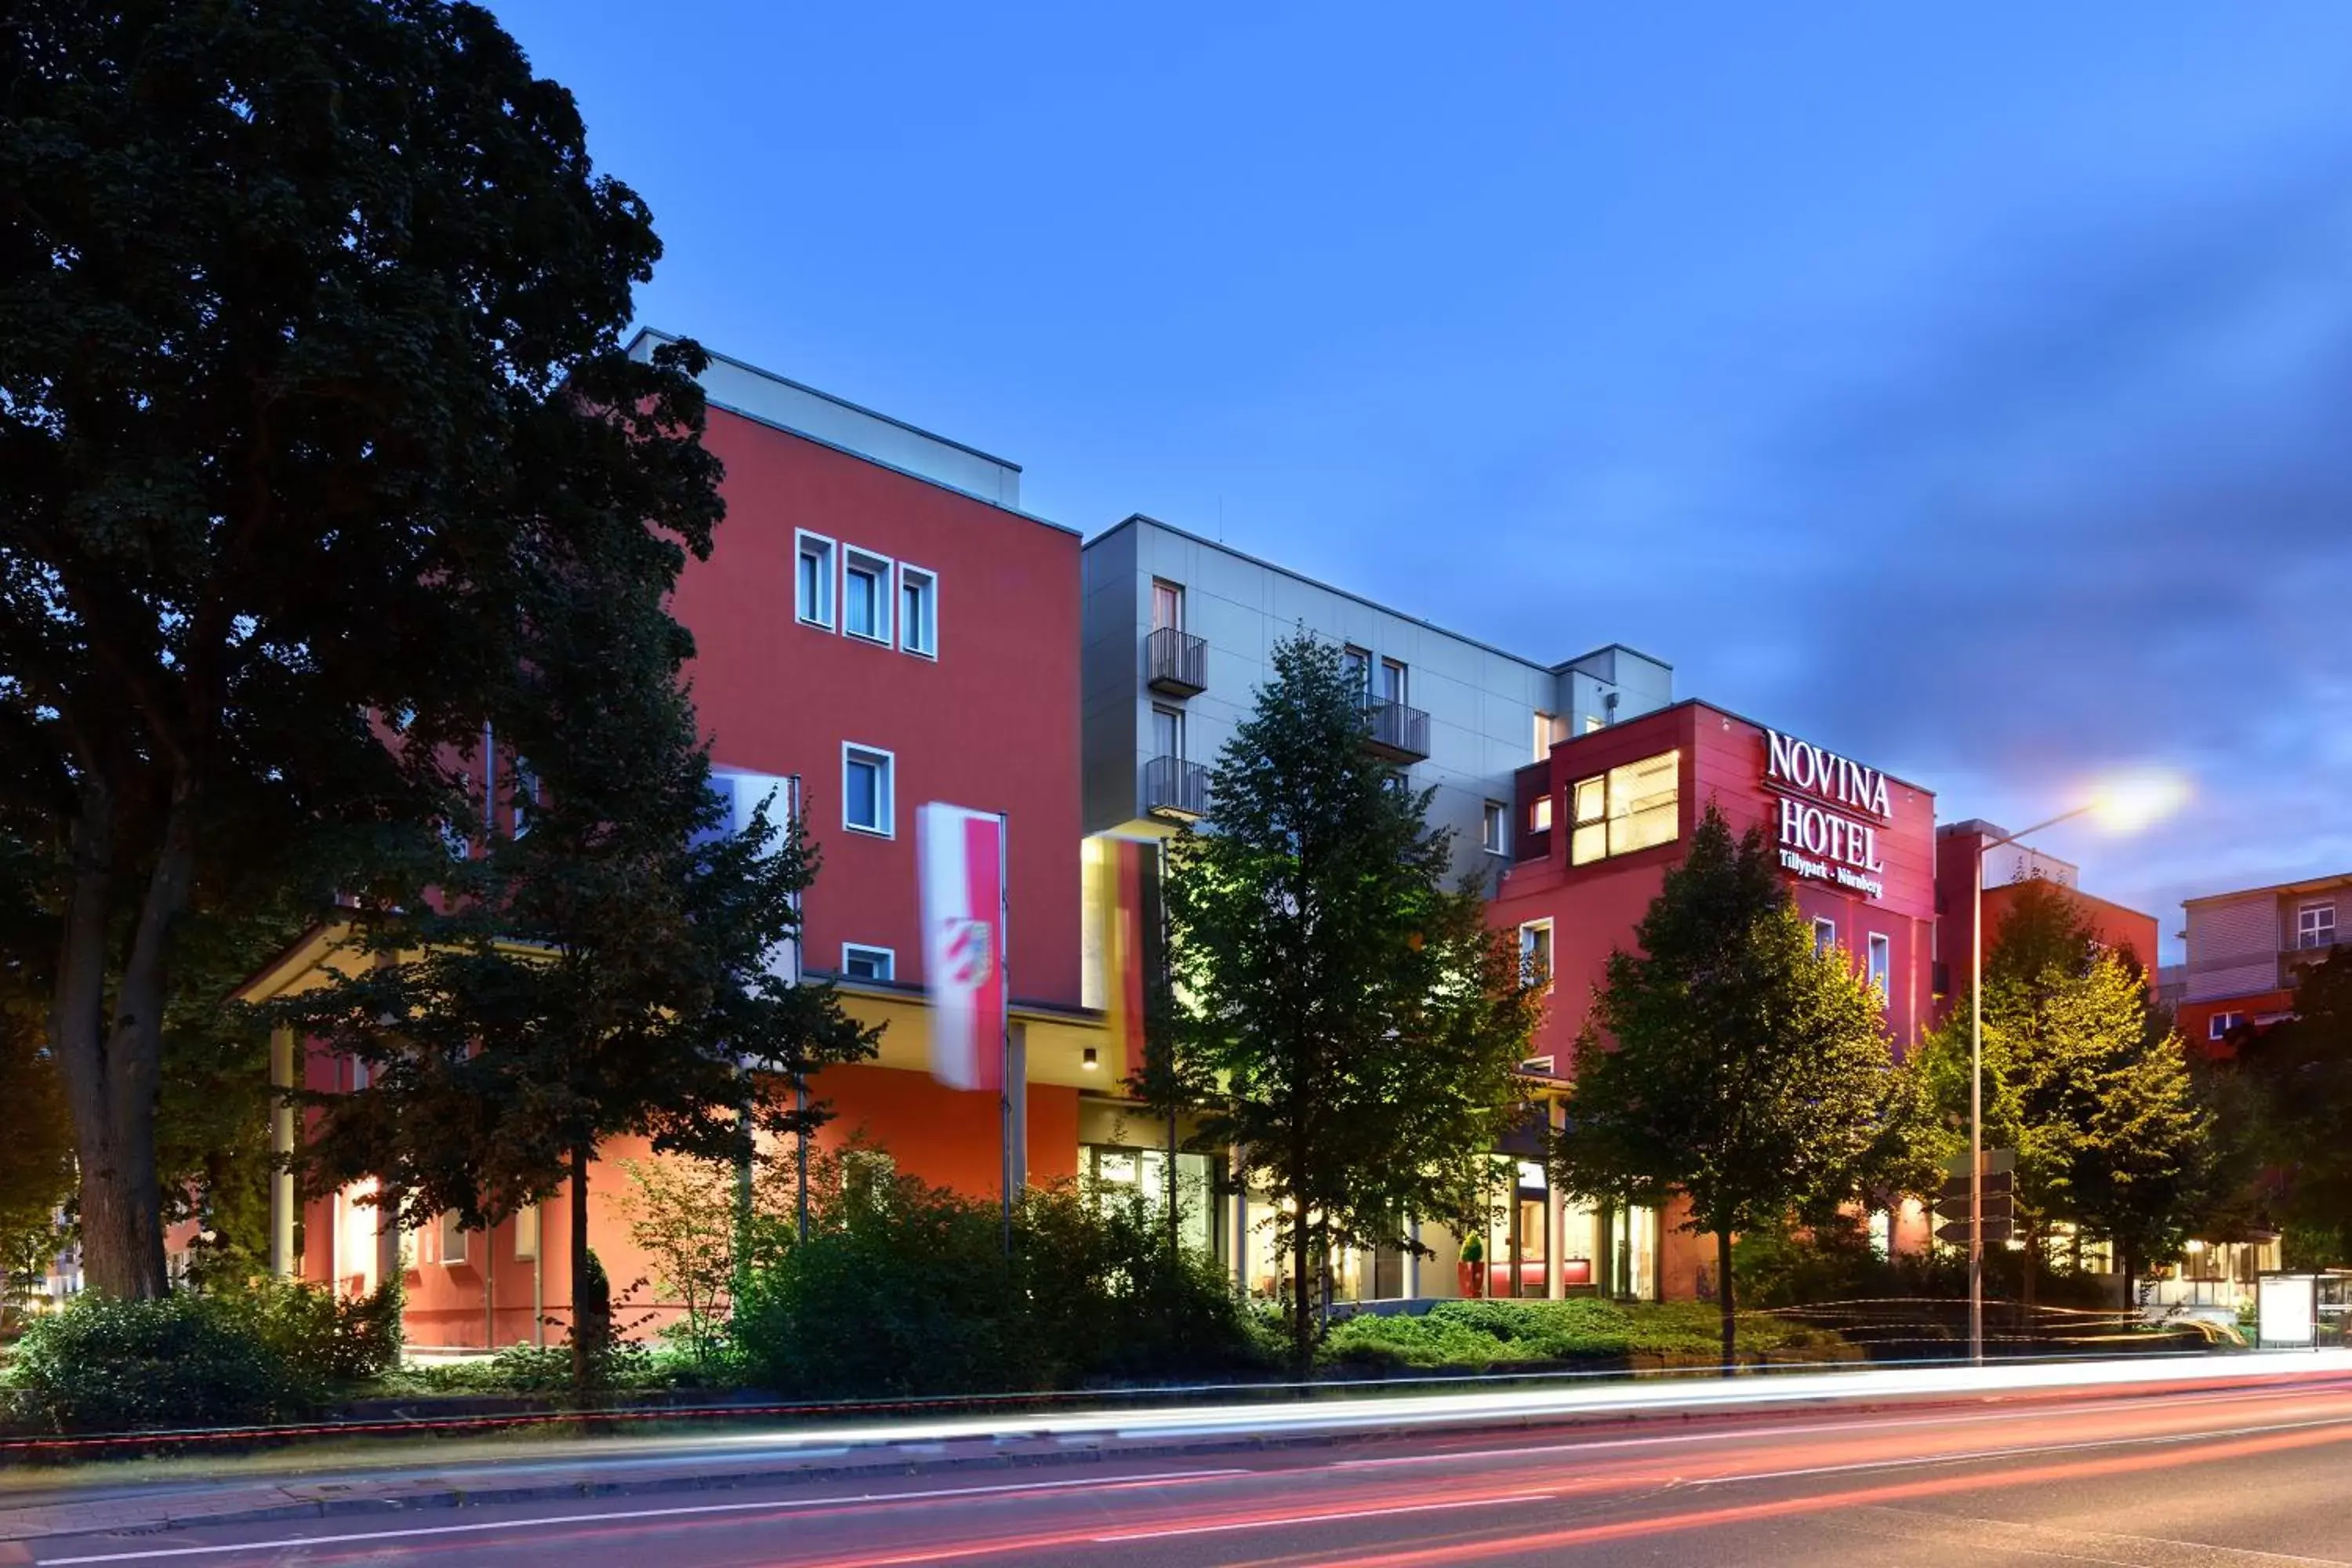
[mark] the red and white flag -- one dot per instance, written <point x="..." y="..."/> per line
<point x="962" y="860"/>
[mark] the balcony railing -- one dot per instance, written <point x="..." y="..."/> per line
<point x="1174" y="788"/>
<point x="1176" y="662"/>
<point x="1396" y="731"/>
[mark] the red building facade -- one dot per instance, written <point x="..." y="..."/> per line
<point x="879" y="625"/>
<point x="1602" y="818"/>
<point x="1604" y="815"/>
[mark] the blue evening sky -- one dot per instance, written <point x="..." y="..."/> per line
<point x="1967" y="389"/>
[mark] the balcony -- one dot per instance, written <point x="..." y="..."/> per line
<point x="1175" y="662"/>
<point x="1175" y="788"/>
<point x="1396" y="731"/>
<point x="2295" y="962"/>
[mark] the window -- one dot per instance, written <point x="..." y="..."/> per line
<point x="526" y="1226"/>
<point x="1535" y="952"/>
<point x="1543" y="735"/>
<point x="1594" y="721"/>
<point x="1635" y="806"/>
<point x="2218" y="1027"/>
<point x="1392" y="682"/>
<point x="449" y="1232"/>
<point x="865" y="595"/>
<point x="1167" y="733"/>
<point x="919" y="611"/>
<point x="867" y="962"/>
<point x="1539" y="814"/>
<point x="812" y="593"/>
<point x="1493" y="828"/>
<point x="1824" y="935"/>
<point x="1167" y="606"/>
<point x="1357" y="665"/>
<point x="2314" y="926"/>
<point x="1882" y="965"/>
<point x="865" y="791"/>
<point x="1589" y="799"/>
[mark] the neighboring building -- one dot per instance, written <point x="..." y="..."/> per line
<point x="1179" y="632"/>
<point x="1603" y="816"/>
<point x="2009" y="868"/>
<point x="2247" y="949"/>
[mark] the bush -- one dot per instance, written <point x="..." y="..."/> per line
<point x="903" y="1289"/>
<point x="1476" y="1335"/>
<point x="264" y="1352"/>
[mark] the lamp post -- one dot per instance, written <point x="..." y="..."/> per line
<point x="2123" y="806"/>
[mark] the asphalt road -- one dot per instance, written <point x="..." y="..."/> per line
<point x="2242" y="1477"/>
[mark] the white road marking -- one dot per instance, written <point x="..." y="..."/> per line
<point x="782" y="1506"/>
<point x="1287" y="1521"/>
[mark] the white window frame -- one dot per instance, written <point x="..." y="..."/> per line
<point x="1177" y="591"/>
<point x="1495" y="821"/>
<point x="855" y="750"/>
<point x="930" y="584"/>
<point x="1539" y="814"/>
<point x="1880" y="963"/>
<point x="450" y="1239"/>
<point x="829" y="566"/>
<point x="1824" y="934"/>
<point x="888" y="956"/>
<point x="884" y="572"/>
<point x="2304" y="933"/>
<point x="2219" y="1025"/>
<point x="1545" y="728"/>
<point x="1396" y="672"/>
<point x="1552" y="950"/>
<point x="526" y="1233"/>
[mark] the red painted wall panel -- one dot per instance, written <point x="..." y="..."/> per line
<point x="1595" y="908"/>
<point x="992" y="724"/>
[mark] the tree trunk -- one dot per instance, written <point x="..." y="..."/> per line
<point x="2031" y="1262"/>
<point x="1302" y="1328"/>
<point x="591" y="1311"/>
<point x="113" y="1067"/>
<point x="1724" y="1303"/>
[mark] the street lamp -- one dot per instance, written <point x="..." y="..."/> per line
<point x="2124" y="805"/>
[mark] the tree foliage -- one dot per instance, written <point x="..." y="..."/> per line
<point x="311" y="318"/>
<point x="1730" y="1061"/>
<point x="1342" y="1015"/>
<point x="2090" y="1091"/>
<point x="2300" y="1073"/>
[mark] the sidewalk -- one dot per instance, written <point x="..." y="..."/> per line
<point x="397" y="1475"/>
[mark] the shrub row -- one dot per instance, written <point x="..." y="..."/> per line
<point x="1475" y="1335"/>
<point x="908" y="1289"/>
<point x="267" y="1351"/>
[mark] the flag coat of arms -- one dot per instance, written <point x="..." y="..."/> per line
<point x="961" y="854"/>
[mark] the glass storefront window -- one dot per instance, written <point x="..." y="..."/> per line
<point x="1112" y="1170"/>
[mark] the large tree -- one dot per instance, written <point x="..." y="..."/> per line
<point x="309" y="317"/>
<point x="601" y="959"/>
<point x="1730" y="1061"/>
<point x="1342" y="1015"/>
<point x="2087" y="1085"/>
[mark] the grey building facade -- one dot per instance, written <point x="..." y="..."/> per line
<point x="1179" y="630"/>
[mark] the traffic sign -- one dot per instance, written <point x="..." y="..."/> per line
<point x="1957" y="1232"/>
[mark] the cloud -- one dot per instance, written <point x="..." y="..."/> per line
<point x="2084" y="499"/>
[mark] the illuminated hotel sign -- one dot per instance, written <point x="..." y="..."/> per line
<point x="1818" y="789"/>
